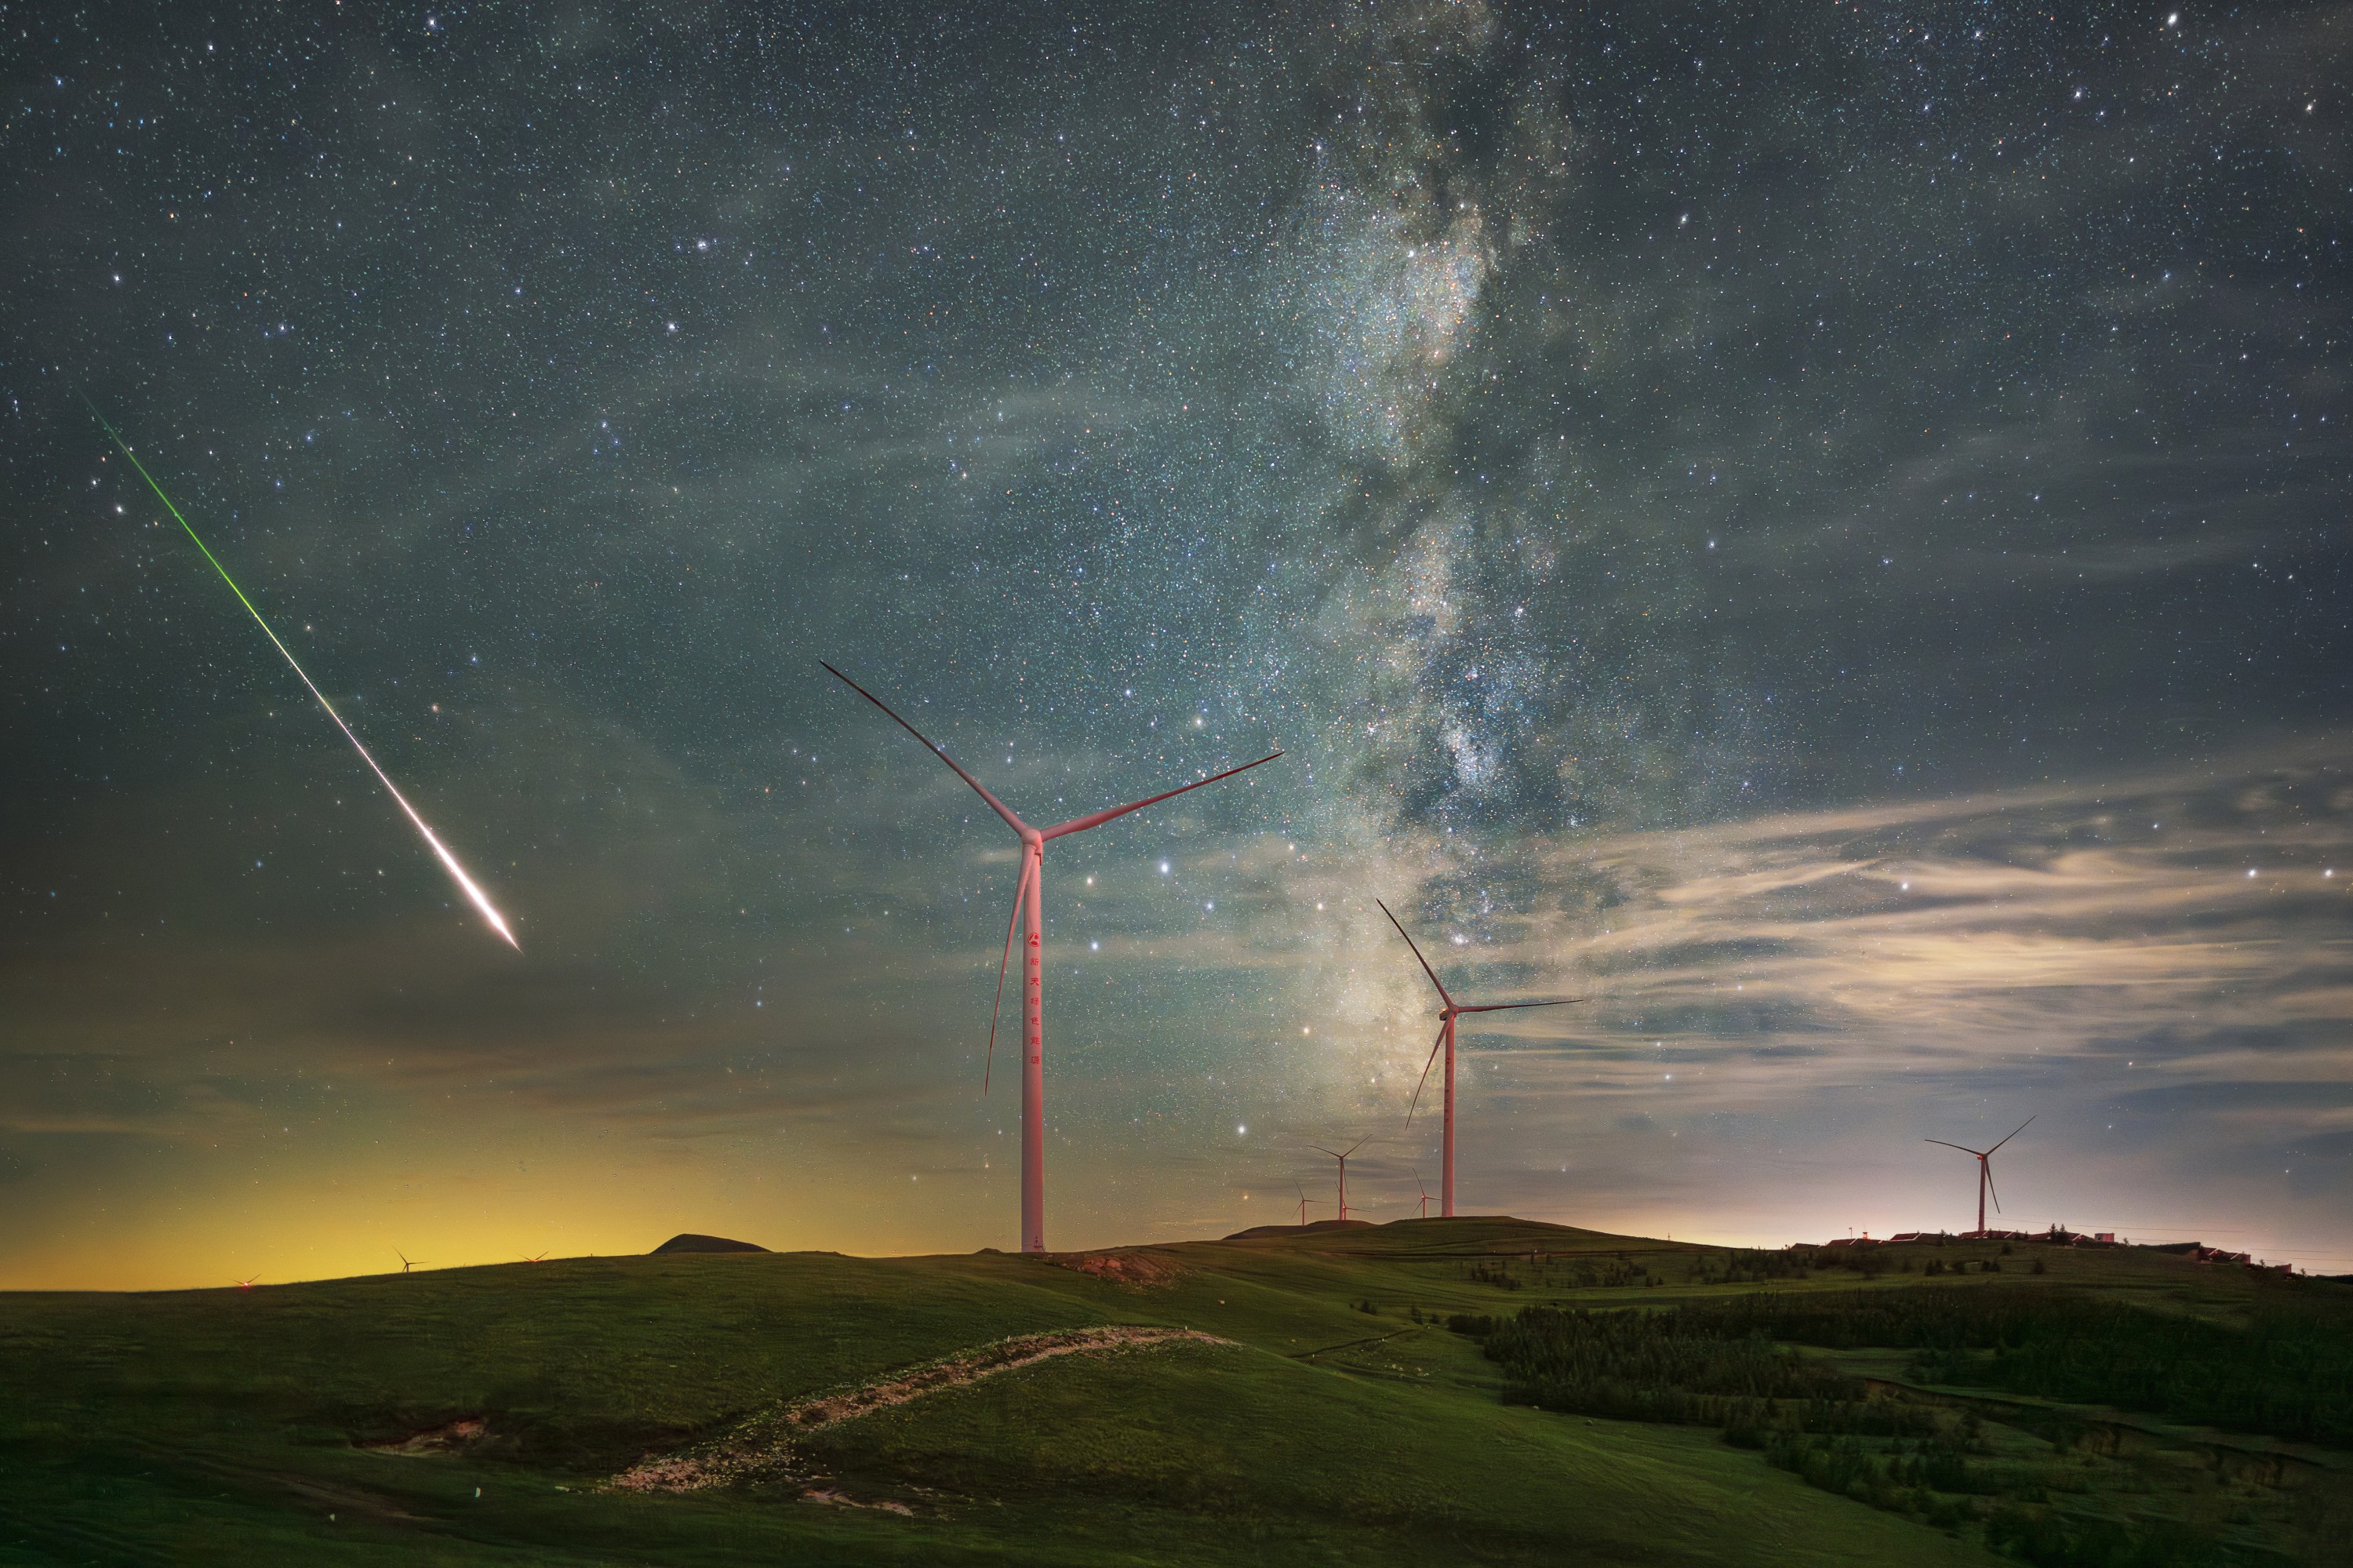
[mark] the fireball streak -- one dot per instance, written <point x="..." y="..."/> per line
<point x="449" y="861"/>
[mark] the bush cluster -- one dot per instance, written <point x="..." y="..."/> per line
<point x="2287" y="1372"/>
<point x="1657" y="1366"/>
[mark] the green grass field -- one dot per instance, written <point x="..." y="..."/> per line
<point x="1331" y="1426"/>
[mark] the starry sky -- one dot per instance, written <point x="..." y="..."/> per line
<point x="1818" y="529"/>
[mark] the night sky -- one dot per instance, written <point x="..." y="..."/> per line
<point x="1820" y="528"/>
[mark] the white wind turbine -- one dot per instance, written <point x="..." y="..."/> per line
<point x="1028" y="913"/>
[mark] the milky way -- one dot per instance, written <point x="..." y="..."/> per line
<point x="1818" y="527"/>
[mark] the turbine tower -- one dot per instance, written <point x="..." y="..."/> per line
<point x="1449" y="1009"/>
<point x="1985" y="1170"/>
<point x="1029" y="912"/>
<point x="1342" y="1156"/>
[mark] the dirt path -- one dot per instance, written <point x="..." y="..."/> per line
<point x="762" y="1446"/>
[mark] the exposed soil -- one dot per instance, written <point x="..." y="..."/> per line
<point x="446" y="1439"/>
<point x="761" y="1448"/>
<point x="1130" y="1266"/>
<point x="838" y="1498"/>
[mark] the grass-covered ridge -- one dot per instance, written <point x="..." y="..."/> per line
<point x="1326" y="1410"/>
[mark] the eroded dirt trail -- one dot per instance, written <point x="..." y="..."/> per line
<point x="762" y="1446"/>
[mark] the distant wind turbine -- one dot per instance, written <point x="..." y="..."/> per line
<point x="536" y="1257"/>
<point x="1983" y="1157"/>
<point x="1449" y="1011"/>
<point x="1302" y="1203"/>
<point x="407" y="1262"/>
<point x="1342" y="1156"/>
<point x="247" y="1283"/>
<point x="1425" y="1195"/>
<point x="1029" y="912"/>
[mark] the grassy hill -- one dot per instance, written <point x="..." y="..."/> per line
<point x="1342" y="1400"/>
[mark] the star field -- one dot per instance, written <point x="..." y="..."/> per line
<point x="1819" y="528"/>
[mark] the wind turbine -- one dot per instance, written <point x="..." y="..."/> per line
<point x="1425" y="1195"/>
<point x="1448" y="1012"/>
<point x="1985" y="1170"/>
<point x="407" y="1262"/>
<point x="1303" y="1205"/>
<point x="1342" y="1156"/>
<point x="247" y="1283"/>
<point x="537" y="1257"/>
<point x="1029" y="912"/>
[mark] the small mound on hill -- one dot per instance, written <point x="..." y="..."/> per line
<point x="687" y="1240"/>
<point x="1308" y="1229"/>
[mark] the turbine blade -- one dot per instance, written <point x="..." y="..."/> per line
<point x="1417" y="953"/>
<point x="1508" y="1006"/>
<point x="1991" y="1188"/>
<point x="2021" y="1128"/>
<point x="999" y="807"/>
<point x="1941" y="1141"/>
<point x="1096" y="820"/>
<point x="1020" y="891"/>
<point x="1425" y="1069"/>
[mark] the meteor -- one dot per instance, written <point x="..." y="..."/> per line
<point x="480" y="899"/>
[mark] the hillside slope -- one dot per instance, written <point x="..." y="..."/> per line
<point x="1320" y="1413"/>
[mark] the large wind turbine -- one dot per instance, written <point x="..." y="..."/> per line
<point x="1449" y="1009"/>
<point x="1029" y="914"/>
<point x="1985" y="1169"/>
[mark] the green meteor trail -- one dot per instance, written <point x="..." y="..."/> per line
<point x="480" y="899"/>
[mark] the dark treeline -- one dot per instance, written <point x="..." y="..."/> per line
<point x="1677" y="1366"/>
<point x="2287" y="1372"/>
<point x="1734" y="1364"/>
<point x="1754" y="1268"/>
